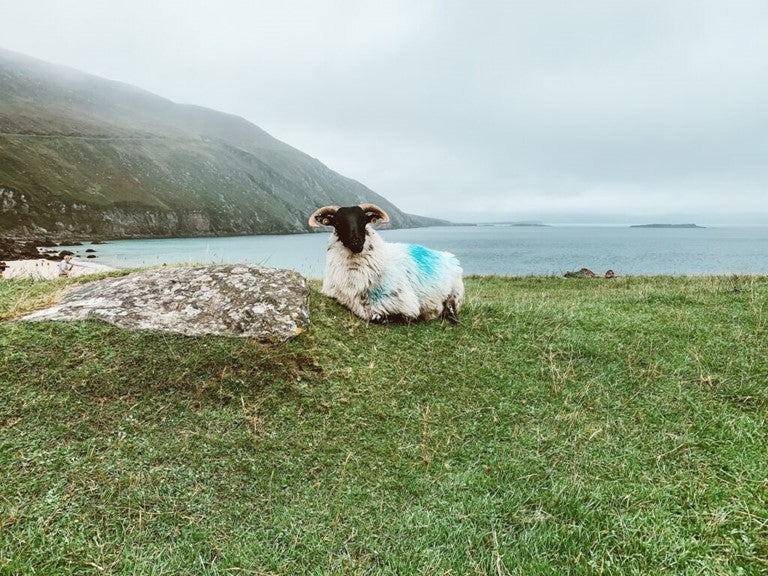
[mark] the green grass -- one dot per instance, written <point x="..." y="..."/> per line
<point x="564" y="427"/>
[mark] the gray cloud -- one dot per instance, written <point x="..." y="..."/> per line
<point x="554" y="110"/>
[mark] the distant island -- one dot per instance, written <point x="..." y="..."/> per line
<point x="666" y="226"/>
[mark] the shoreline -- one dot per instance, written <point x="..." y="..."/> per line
<point x="43" y="269"/>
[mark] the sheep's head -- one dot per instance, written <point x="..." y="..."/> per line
<point x="349" y="222"/>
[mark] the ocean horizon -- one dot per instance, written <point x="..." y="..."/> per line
<point x="487" y="249"/>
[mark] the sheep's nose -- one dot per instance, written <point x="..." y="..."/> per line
<point x="356" y="247"/>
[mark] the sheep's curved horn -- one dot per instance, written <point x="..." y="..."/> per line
<point x="316" y="220"/>
<point x="382" y="216"/>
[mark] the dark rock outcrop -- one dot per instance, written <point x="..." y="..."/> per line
<point x="587" y="273"/>
<point x="583" y="273"/>
<point x="13" y="249"/>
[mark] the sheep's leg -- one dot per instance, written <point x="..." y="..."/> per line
<point x="449" y="311"/>
<point x="392" y="319"/>
<point x="363" y="310"/>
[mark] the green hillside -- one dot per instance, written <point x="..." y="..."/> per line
<point x="85" y="156"/>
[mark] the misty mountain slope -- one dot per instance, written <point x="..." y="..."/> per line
<point x="81" y="155"/>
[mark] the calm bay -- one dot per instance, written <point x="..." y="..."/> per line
<point x="484" y="250"/>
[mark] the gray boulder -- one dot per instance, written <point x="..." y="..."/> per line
<point x="266" y="304"/>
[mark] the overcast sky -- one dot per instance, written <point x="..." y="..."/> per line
<point x="613" y="111"/>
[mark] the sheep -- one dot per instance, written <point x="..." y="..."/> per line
<point x="382" y="281"/>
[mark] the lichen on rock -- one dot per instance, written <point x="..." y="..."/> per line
<point x="266" y="304"/>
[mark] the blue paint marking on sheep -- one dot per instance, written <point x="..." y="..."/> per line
<point x="376" y="294"/>
<point x="427" y="260"/>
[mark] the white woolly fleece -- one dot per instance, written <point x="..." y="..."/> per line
<point x="388" y="279"/>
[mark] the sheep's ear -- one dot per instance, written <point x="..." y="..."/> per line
<point x="323" y="216"/>
<point x="375" y="214"/>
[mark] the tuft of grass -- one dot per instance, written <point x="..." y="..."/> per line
<point x="20" y="297"/>
<point x="564" y="427"/>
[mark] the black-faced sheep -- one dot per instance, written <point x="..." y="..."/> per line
<point x="381" y="281"/>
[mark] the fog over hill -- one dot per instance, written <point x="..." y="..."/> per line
<point x="85" y="156"/>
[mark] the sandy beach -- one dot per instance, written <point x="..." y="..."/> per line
<point x="42" y="269"/>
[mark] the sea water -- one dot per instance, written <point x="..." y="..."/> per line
<point x="503" y="250"/>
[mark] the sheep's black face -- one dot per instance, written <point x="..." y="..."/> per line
<point x="350" y="223"/>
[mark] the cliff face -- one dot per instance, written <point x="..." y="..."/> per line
<point x="84" y="156"/>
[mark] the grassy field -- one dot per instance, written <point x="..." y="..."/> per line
<point x="564" y="427"/>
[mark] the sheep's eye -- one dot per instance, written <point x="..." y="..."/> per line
<point x="374" y="219"/>
<point x="326" y="221"/>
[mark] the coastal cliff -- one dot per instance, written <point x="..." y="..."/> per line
<point x="82" y="156"/>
